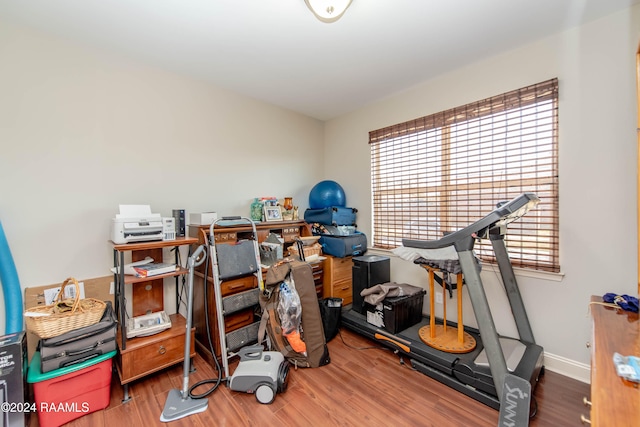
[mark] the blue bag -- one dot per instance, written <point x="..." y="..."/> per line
<point x="344" y="246"/>
<point x="333" y="215"/>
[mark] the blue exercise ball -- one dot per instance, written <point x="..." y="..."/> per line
<point x="326" y="194"/>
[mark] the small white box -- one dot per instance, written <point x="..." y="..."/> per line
<point x="203" y="218"/>
<point x="169" y="228"/>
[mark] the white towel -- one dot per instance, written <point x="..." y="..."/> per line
<point x="440" y="254"/>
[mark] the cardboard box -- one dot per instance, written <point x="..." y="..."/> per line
<point x="203" y="218"/>
<point x="14" y="390"/>
<point x="101" y="288"/>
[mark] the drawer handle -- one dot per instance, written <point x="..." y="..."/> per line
<point x="162" y="350"/>
<point x="588" y="344"/>
<point x="585" y="420"/>
<point x="586" y="402"/>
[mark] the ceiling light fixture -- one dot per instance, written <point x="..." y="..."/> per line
<point x="328" y="10"/>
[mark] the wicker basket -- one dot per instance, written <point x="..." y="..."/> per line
<point x="315" y="249"/>
<point x="50" y="320"/>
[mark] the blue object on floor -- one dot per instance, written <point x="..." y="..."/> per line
<point x="10" y="288"/>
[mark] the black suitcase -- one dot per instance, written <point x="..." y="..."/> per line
<point x="344" y="246"/>
<point x="333" y="215"/>
<point x="80" y="344"/>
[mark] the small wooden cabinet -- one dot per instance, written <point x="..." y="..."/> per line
<point x="337" y="282"/>
<point x="141" y="356"/>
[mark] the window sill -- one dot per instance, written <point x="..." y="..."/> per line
<point x="518" y="271"/>
<point x="526" y="272"/>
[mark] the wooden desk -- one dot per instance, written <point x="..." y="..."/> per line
<point x="244" y="321"/>
<point x="614" y="401"/>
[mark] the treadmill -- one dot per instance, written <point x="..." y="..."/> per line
<point x="481" y="373"/>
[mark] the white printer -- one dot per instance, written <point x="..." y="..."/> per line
<point x="136" y="223"/>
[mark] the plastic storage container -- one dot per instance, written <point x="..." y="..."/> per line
<point x="64" y="394"/>
<point x="396" y="314"/>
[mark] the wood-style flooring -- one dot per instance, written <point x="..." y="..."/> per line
<point x="363" y="385"/>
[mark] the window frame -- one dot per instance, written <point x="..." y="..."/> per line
<point x="527" y="119"/>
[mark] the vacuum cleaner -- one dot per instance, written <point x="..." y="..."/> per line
<point x="263" y="373"/>
<point x="179" y="403"/>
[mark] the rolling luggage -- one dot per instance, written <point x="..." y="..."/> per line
<point x="333" y="215"/>
<point x="344" y="246"/>
<point x="80" y="344"/>
<point x="333" y="230"/>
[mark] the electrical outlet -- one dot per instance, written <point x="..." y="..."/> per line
<point x="439" y="298"/>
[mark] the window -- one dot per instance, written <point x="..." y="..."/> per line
<point x="440" y="173"/>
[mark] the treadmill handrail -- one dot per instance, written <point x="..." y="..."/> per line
<point x="503" y="214"/>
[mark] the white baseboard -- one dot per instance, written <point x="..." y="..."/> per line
<point x="567" y="367"/>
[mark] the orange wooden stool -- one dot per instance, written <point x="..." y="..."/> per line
<point x="439" y="336"/>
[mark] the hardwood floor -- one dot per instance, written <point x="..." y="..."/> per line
<point x="363" y="385"/>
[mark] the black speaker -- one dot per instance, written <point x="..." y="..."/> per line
<point x="367" y="271"/>
<point x="181" y="225"/>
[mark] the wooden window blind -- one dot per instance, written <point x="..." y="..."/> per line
<point x="440" y="173"/>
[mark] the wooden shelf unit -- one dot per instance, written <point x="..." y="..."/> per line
<point x="140" y="356"/>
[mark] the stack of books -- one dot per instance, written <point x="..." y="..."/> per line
<point x="154" y="269"/>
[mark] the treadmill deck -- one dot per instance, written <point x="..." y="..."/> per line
<point x="457" y="370"/>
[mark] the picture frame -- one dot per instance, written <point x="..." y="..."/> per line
<point x="272" y="213"/>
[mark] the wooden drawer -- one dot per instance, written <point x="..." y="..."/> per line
<point x="145" y="355"/>
<point x="227" y="287"/>
<point x="290" y="233"/>
<point x="318" y="277"/>
<point x="225" y="237"/>
<point x="342" y="268"/>
<point x="342" y="290"/>
<point x="238" y="320"/>
<point x="230" y="287"/>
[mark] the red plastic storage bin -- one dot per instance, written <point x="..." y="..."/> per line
<point x="64" y="394"/>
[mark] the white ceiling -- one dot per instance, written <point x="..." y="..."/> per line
<point x="278" y="52"/>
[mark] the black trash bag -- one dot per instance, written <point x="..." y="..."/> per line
<point x="330" y="311"/>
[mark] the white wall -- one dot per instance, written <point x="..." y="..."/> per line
<point x="83" y="131"/>
<point x="595" y="65"/>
